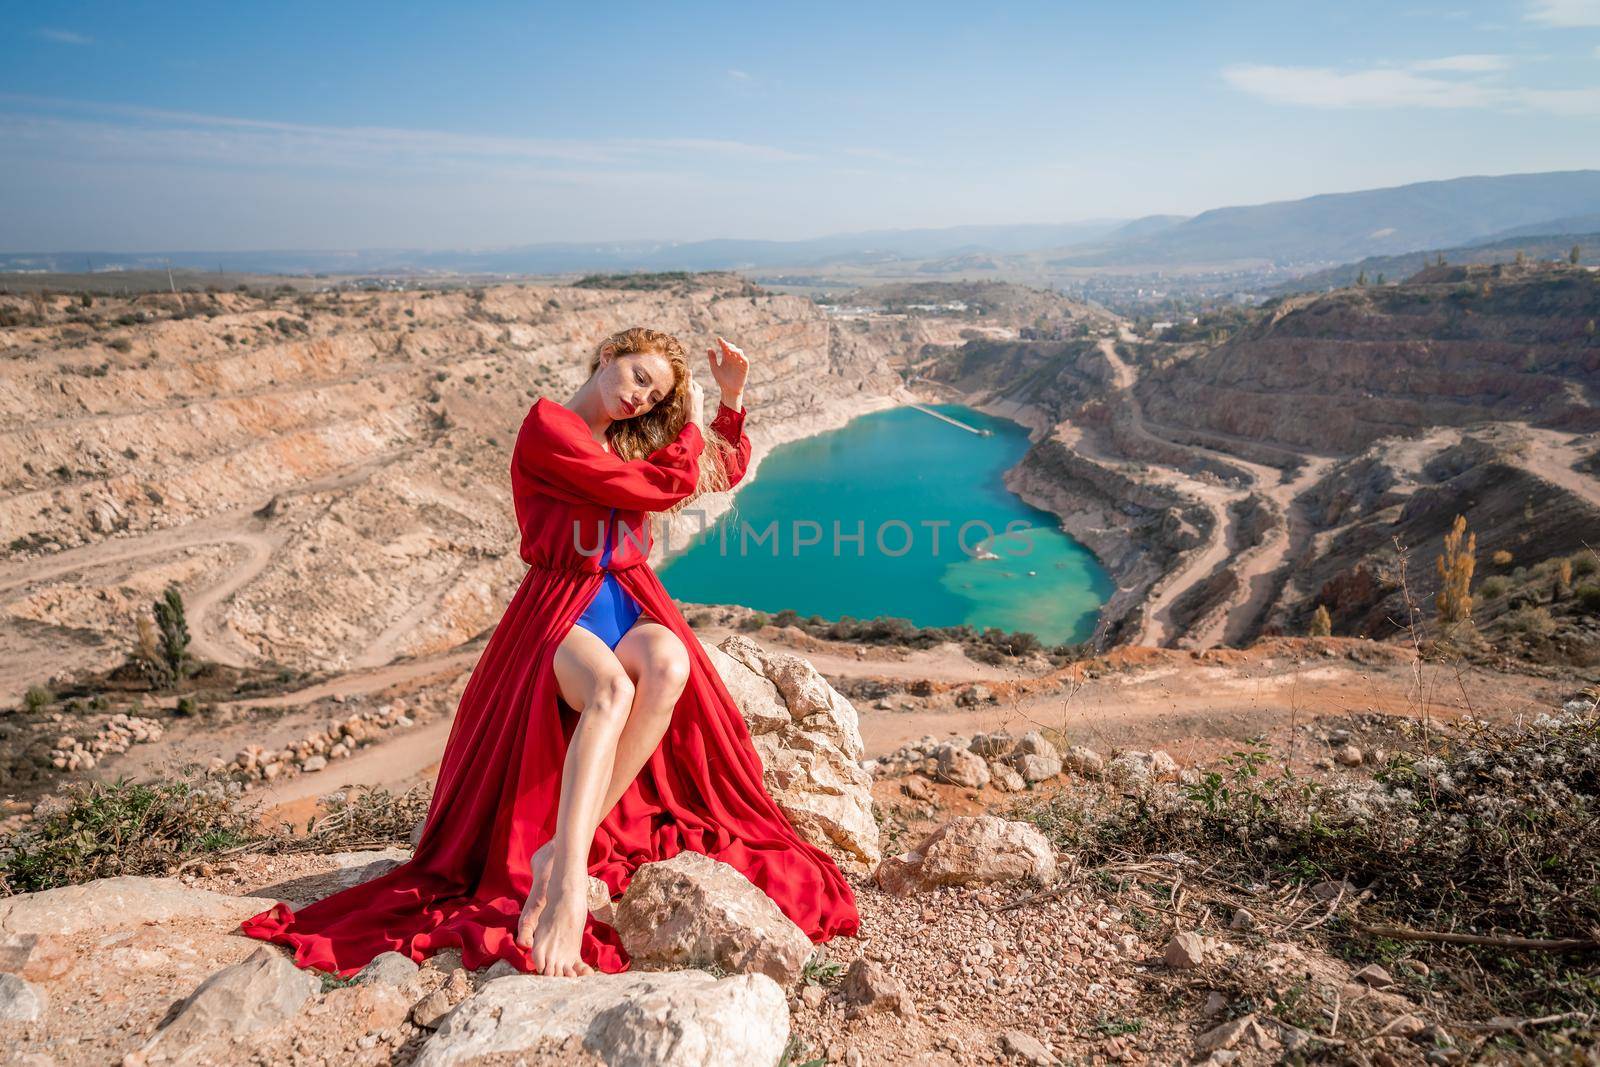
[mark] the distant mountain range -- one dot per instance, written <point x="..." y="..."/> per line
<point x="1339" y="227"/>
<point x="1318" y="231"/>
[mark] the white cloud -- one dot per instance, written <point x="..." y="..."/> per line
<point x="1476" y="62"/>
<point x="64" y="36"/>
<point x="1379" y="87"/>
<point x="1465" y="81"/>
<point x="118" y="132"/>
<point x="739" y="75"/>
<point x="1564" y="12"/>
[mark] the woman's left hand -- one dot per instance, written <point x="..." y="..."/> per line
<point x="730" y="370"/>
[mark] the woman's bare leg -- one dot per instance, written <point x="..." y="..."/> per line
<point x="658" y="665"/>
<point x="656" y="661"/>
<point x="592" y="680"/>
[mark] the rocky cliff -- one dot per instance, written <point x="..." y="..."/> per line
<point x="1454" y="346"/>
<point x="331" y="467"/>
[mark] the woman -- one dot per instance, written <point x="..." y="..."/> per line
<point x="594" y="734"/>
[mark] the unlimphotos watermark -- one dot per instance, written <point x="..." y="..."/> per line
<point x="889" y="537"/>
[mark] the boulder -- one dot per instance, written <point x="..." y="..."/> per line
<point x="1025" y="1048"/>
<point x="122" y="902"/>
<point x="387" y="968"/>
<point x="960" y="765"/>
<point x="969" y="696"/>
<point x="1129" y="769"/>
<point x="869" y="987"/>
<point x="970" y="850"/>
<point x="1185" y="950"/>
<point x="993" y="744"/>
<point x="599" y="899"/>
<point x="1243" y="1030"/>
<point x="632" y="1019"/>
<point x="810" y="700"/>
<point x="1033" y="743"/>
<point x="1035" y="768"/>
<point x="809" y="740"/>
<point x="693" y="911"/>
<point x="263" y="990"/>
<point x="1375" y="976"/>
<point x="1139" y="768"/>
<point x="1085" y="762"/>
<point x="1005" y="777"/>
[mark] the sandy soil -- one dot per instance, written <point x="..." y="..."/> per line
<point x="1196" y="706"/>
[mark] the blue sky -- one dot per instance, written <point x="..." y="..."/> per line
<point x="127" y="126"/>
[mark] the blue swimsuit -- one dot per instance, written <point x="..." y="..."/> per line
<point x="612" y="611"/>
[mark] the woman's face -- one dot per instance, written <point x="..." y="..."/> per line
<point x="631" y="385"/>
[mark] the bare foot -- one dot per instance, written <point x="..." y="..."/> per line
<point x="559" y="933"/>
<point x="541" y="863"/>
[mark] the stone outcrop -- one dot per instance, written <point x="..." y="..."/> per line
<point x="1334" y="372"/>
<point x="809" y="741"/>
<point x="970" y="850"/>
<point x="111" y="902"/>
<point x="695" y="911"/>
<point x="261" y="991"/>
<point x="633" y="1019"/>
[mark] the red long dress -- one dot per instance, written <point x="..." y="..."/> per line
<point x="500" y="777"/>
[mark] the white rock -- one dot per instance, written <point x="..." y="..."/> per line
<point x="632" y="1019"/>
<point x="264" y="989"/>
<point x="970" y="850"/>
<point x="693" y="911"/>
<point x="123" y="902"/>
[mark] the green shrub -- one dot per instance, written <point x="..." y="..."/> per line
<point x="125" y="827"/>
<point x="1533" y="621"/>
<point x="174" y="632"/>
<point x="1492" y="828"/>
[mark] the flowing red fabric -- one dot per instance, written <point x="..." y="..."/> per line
<point x="500" y="777"/>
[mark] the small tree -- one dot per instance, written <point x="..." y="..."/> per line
<point x="1455" y="565"/>
<point x="174" y="632"/>
<point x="1361" y="279"/>
<point x="1572" y="256"/>
<point x="1522" y="259"/>
<point x="148" y="655"/>
<point x="1563" y="583"/>
<point x="1321" y="623"/>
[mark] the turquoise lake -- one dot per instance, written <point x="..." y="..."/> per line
<point x="908" y="483"/>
